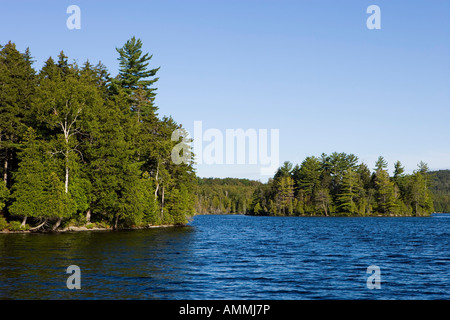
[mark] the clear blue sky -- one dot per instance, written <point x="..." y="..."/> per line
<point x="311" y="69"/>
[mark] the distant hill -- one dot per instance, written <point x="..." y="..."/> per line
<point x="441" y="190"/>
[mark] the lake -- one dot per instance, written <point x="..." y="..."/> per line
<point x="237" y="257"/>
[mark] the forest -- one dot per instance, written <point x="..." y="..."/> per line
<point x="440" y="187"/>
<point x="224" y="196"/>
<point x="81" y="147"/>
<point x="338" y="185"/>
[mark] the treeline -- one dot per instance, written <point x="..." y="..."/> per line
<point x="440" y="188"/>
<point x="337" y="184"/>
<point x="224" y="196"/>
<point x="78" y="146"/>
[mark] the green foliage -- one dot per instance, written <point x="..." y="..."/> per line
<point x="17" y="79"/>
<point x="4" y="194"/>
<point x="16" y="226"/>
<point x="80" y="146"/>
<point x="224" y="196"/>
<point x="440" y="188"/>
<point x="347" y="199"/>
<point x="338" y="185"/>
<point x="3" y="223"/>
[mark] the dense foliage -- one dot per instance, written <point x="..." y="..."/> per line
<point x="337" y="184"/>
<point x="224" y="196"/>
<point x="440" y="187"/>
<point x="79" y="146"/>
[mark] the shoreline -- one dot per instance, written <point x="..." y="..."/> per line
<point x="84" y="229"/>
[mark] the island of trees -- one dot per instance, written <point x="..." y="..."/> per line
<point x="308" y="192"/>
<point x="80" y="147"/>
<point x="337" y="184"/>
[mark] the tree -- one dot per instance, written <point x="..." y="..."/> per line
<point x="284" y="171"/>
<point x="257" y="210"/>
<point x="38" y="192"/>
<point x="133" y="71"/>
<point x="28" y="192"/>
<point x="284" y="189"/>
<point x="17" y="81"/>
<point x="381" y="164"/>
<point x="398" y="170"/>
<point x="323" y="200"/>
<point x="307" y="177"/>
<point x="418" y="194"/>
<point x="348" y="197"/>
<point x="335" y="165"/>
<point x="385" y="192"/>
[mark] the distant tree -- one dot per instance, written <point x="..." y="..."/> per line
<point x="348" y="197"/>
<point x="323" y="201"/>
<point x="284" y="171"/>
<point x="384" y="192"/>
<point x="398" y="170"/>
<point x="418" y="193"/>
<point x="381" y="164"/>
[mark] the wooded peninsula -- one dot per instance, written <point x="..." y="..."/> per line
<point x="80" y="147"/>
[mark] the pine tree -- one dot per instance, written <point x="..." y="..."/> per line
<point x="385" y="193"/>
<point x="347" y="199"/>
<point x="133" y="71"/>
<point x="307" y="178"/>
<point x="28" y="192"/>
<point x="381" y="164"/>
<point x="418" y="195"/>
<point x="284" y="188"/>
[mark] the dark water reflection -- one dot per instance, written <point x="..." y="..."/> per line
<point x="236" y="257"/>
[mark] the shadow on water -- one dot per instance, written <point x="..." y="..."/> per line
<point x="33" y="266"/>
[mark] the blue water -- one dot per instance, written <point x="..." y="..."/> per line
<point x="237" y="257"/>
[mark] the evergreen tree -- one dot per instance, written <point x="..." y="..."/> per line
<point x="307" y="179"/>
<point x="17" y="79"/>
<point x="418" y="195"/>
<point x="381" y="164"/>
<point x="133" y="71"/>
<point x="385" y="192"/>
<point x="348" y="197"/>
<point x="38" y="192"/>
